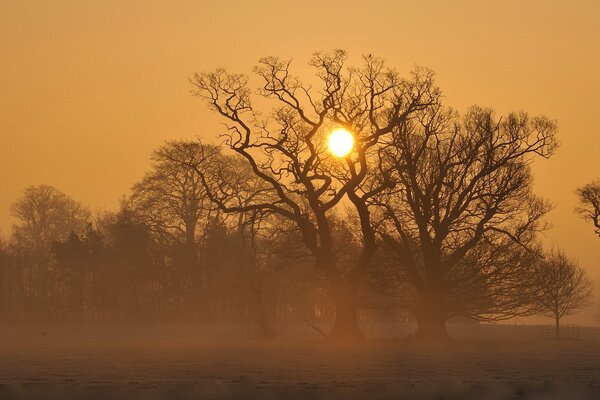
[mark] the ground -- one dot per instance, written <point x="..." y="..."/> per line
<point x="186" y="362"/>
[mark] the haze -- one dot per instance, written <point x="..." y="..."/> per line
<point x="88" y="89"/>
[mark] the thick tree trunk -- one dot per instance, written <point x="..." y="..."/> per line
<point x="557" y="322"/>
<point x="345" y="327"/>
<point x="431" y="320"/>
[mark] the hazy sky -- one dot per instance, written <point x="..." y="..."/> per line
<point x="89" y="88"/>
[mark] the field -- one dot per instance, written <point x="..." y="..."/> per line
<point x="188" y="362"/>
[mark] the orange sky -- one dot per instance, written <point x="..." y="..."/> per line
<point x="89" y="88"/>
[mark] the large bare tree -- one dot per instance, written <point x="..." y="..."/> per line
<point x="461" y="215"/>
<point x="589" y="203"/>
<point x="563" y="287"/>
<point x="283" y="140"/>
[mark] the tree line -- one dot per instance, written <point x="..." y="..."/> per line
<point x="432" y="211"/>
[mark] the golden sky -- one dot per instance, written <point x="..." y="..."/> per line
<point x="89" y="88"/>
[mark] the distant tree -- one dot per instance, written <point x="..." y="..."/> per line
<point x="272" y="270"/>
<point x="258" y="238"/>
<point x="218" y="253"/>
<point x="13" y="283"/>
<point x="286" y="149"/>
<point x="563" y="287"/>
<point x="461" y="214"/>
<point x="135" y="258"/>
<point x="116" y="270"/>
<point x="78" y="261"/>
<point x="172" y="202"/>
<point x="589" y="203"/>
<point x="6" y="268"/>
<point x="44" y="215"/>
<point x="246" y="248"/>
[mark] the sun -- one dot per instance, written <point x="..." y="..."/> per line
<point x="340" y="142"/>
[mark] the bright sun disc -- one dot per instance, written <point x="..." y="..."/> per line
<point x="340" y="142"/>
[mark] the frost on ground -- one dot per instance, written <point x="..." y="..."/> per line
<point x="184" y="362"/>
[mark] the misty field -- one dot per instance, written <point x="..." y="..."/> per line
<point x="187" y="362"/>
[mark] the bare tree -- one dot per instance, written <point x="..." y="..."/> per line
<point x="286" y="149"/>
<point x="589" y="203"/>
<point x="461" y="215"/>
<point x="563" y="287"/>
<point x="44" y="215"/>
<point x="172" y="201"/>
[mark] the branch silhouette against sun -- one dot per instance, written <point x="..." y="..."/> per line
<point x="286" y="148"/>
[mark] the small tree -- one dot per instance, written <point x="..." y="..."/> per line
<point x="563" y="287"/>
<point x="589" y="203"/>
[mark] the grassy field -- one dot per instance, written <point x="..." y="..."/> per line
<point x="191" y="362"/>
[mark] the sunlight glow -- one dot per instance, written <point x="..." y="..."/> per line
<point x="340" y="142"/>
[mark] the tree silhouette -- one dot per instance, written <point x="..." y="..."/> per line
<point x="78" y="263"/>
<point x="172" y="201"/>
<point x="589" y="203"/>
<point x="563" y="287"/>
<point x="462" y="212"/>
<point x="286" y="149"/>
<point x="44" y="215"/>
<point x="133" y="255"/>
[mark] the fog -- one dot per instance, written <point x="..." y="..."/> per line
<point x="312" y="200"/>
<point x="188" y="362"/>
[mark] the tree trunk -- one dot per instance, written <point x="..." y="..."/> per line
<point x="431" y="320"/>
<point x="557" y="322"/>
<point x="192" y="263"/>
<point x="345" y="326"/>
